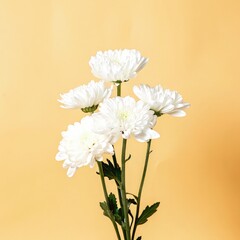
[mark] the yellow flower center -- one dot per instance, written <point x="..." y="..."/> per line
<point x="123" y="115"/>
<point x="88" y="139"/>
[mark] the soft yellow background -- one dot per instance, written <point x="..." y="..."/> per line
<point x="193" y="47"/>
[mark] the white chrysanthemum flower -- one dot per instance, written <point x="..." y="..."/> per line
<point x="124" y="116"/>
<point x="80" y="146"/>
<point x="161" y="100"/>
<point x="87" y="97"/>
<point x="117" y="65"/>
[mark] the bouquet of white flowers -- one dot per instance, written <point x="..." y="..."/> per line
<point x="110" y="119"/>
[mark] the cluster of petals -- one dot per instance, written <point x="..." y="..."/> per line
<point x="80" y="146"/>
<point x="125" y="117"/>
<point x="162" y="101"/>
<point x="85" y="96"/>
<point x="117" y="65"/>
<point x="85" y="142"/>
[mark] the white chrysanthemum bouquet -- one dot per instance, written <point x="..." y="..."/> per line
<point x="109" y="120"/>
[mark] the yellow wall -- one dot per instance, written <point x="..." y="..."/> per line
<point x="193" y="47"/>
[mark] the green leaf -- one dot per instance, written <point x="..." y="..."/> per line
<point x="117" y="213"/>
<point x="112" y="172"/>
<point x="118" y="219"/>
<point x="139" y="238"/>
<point x="133" y="196"/>
<point x="131" y="201"/>
<point x="104" y="207"/>
<point x="130" y="214"/>
<point x="112" y="208"/>
<point x="147" y="212"/>
<point x="129" y="157"/>
<point x="121" y="219"/>
<point x="112" y="203"/>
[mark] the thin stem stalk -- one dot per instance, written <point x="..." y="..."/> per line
<point x="119" y="90"/>
<point x="106" y="198"/>
<point x="119" y="191"/>
<point x="115" y="164"/>
<point x="141" y="187"/>
<point x="123" y="190"/>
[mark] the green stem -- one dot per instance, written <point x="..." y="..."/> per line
<point x="119" y="191"/>
<point x="106" y="198"/>
<point x="115" y="164"/>
<point x="119" y="90"/>
<point x="123" y="191"/>
<point x="141" y="187"/>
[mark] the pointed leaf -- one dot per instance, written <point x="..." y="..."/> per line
<point x="117" y="214"/>
<point x="111" y="172"/>
<point x="131" y="201"/>
<point x="112" y="203"/>
<point x="130" y="214"/>
<point x="139" y="238"/>
<point x="121" y="215"/>
<point x="118" y="219"/>
<point x="104" y="207"/>
<point x="147" y="212"/>
<point x="129" y="157"/>
<point x="133" y="196"/>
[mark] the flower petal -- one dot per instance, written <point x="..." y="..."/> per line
<point x="178" y="113"/>
<point x="117" y="65"/>
<point x="162" y="101"/>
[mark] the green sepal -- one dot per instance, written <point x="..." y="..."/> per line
<point x="139" y="238"/>
<point x="90" y="109"/>
<point x="120" y="81"/>
<point x="147" y="212"/>
<point x="157" y="113"/>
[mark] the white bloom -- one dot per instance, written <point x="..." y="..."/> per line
<point x="161" y="100"/>
<point x="85" y="96"/>
<point x="124" y="116"/>
<point x="80" y="146"/>
<point x="117" y="65"/>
